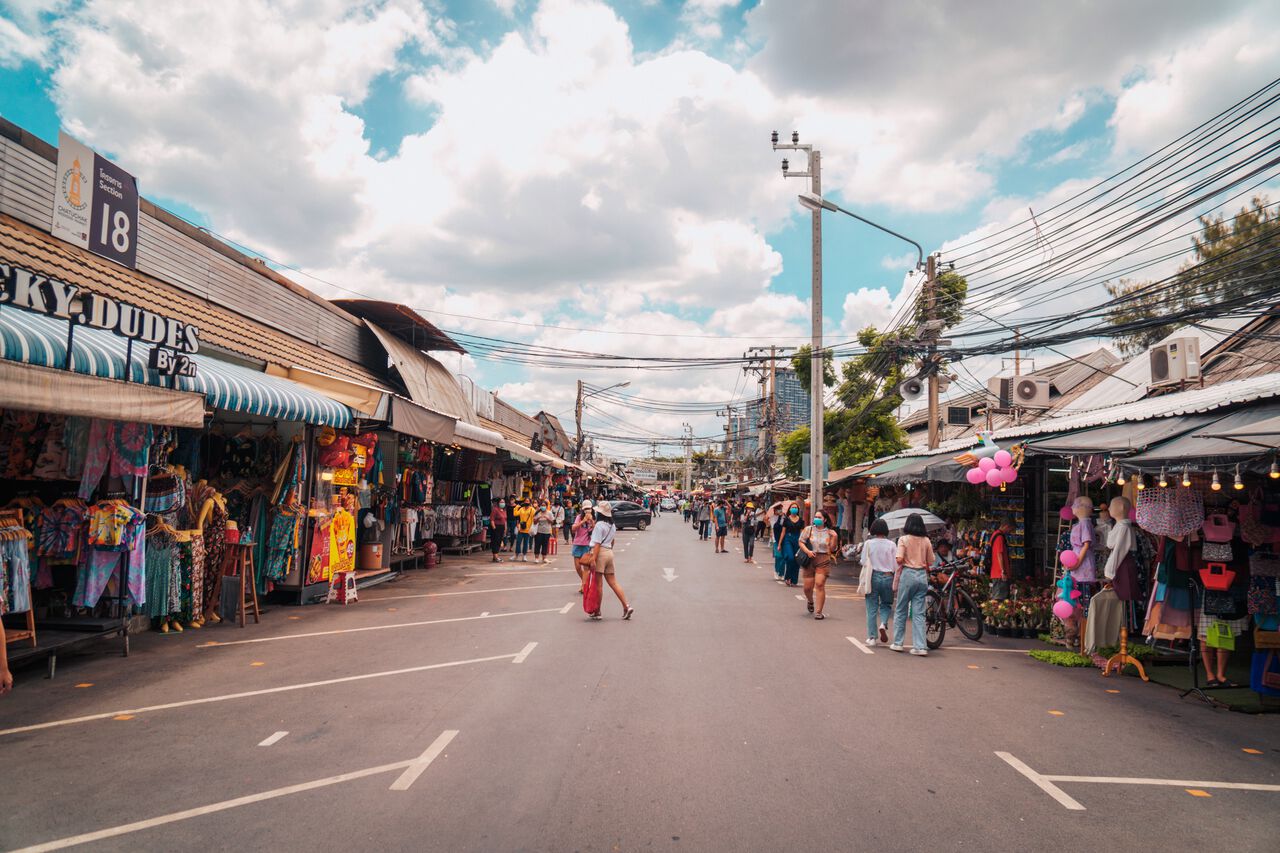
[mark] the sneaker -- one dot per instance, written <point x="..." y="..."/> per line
<point x="870" y="643"/>
<point x="895" y="647"/>
<point x="920" y="652"/>
<point x="626" y="614"/>
<point x="884" y="635"/>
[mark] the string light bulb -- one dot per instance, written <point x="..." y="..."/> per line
<point x="1239" y="482"/>
<point x="1142" y="481"/>
<point x="1216" y="485"/>
<point x="1164" y="481"/>
<point x="1120" y="479"/>
<point x="1186" y="477"/>
<point x="1275" y="470"/>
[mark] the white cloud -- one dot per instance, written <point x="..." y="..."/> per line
<point x="898" y="263"/>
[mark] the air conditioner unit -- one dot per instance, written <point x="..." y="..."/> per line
<point x="1019" y="392"/>
<point x="958" y="416"/>
<point x="1175" y="361"/>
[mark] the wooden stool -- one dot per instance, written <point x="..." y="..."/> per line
<point x="241" y="565"/>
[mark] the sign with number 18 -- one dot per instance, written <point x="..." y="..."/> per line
<point x="95" y="203"/>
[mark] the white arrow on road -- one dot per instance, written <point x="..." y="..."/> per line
<point x="669" y="574"/>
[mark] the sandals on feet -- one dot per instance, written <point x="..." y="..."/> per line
<point x="810" y="606"/>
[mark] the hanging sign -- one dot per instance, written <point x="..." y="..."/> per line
<point x="169" y="362"/>
<point x="30" y="291"/>
<point x="95" y="203"/>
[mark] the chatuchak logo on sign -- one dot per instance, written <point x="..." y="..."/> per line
<point x="95" y="203"/>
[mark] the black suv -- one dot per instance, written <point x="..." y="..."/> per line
<point x="628" y="514"/>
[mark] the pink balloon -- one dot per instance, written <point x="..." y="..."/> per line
<point x="986" y="463"/>
<point x="994" y="479"/>
<point x="1066" y="514"/>
<point x="1009" y="474"/>
<point x="1003" y="458"/>
<point x="1063" y="609"/>
<point x="976" y="476"/>
<point x="1069" y="559"/>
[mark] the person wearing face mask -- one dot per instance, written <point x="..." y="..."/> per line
<point x="497" y="528"/>
<point x="819" y="541"/>
<point x="583" y="525"/>
<point x="792" y="526"/>
<point x="543" y="523"/>
<point x="524" y="529"/>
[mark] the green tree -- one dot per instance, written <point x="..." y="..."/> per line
<point x="802" y="361"/>
<point x="1232" y="258"/>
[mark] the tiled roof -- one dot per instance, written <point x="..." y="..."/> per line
<point x="41" y="253"/>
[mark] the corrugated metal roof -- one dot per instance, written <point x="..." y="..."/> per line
<point x="1067" y="374"/>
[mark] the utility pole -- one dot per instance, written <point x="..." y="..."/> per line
<point x="688" y="458"/>
<point x="931" y="314"/>
<point x="814" y="174"/>
<point x="577" y="416"/>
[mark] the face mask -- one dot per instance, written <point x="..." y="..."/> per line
<point x="502" y="504"/>
<point x="818" y="522"/>
<point x="795" y="512"/>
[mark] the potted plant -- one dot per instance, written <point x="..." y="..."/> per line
<point x="1004" y="618"/>
<point x="990" y="615"/>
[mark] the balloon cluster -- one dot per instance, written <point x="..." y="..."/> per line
<point x="995" y="470"/>
<point x="1067" y="593"/>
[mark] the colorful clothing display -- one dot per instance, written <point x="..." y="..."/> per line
<point x="118" y="449"/>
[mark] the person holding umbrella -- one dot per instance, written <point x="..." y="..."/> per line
<point x="911" y="583"/>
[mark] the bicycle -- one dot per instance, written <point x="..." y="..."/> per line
<point x="950" y="605"/>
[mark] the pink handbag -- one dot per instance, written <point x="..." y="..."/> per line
<point x="1218" y="528"/>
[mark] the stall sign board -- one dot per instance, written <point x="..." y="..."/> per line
<point x="95" y="203"/>
<point x="169" y="362"/>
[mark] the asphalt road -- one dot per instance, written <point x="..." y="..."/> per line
<point x="721" y="717"/>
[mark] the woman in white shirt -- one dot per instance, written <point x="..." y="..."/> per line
<point x="879" y="565"/>
<point x="820" y="542"/>
<point x="600" y="558"/>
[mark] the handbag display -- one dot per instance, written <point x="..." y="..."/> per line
<point x="1264" y="565"/>
<point x="1262" y="595"/>
<point x="1217" y="552"/>
<point x="1217" y="603"/>
<point x="1218" y="529"/>
<point x="1170" y="512"/>
<point x="1216" y="576"/>
<point x="1219" y="636"/>
<point x="1266" y="639"/>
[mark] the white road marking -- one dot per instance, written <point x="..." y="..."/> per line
<point x="567" y="607"/>
<point x="861" y="646"/>
<point x="264" y="692"/>
<point x="274" y="739"/>
<point x="524" y="653"/>
<point x="1171" y="783"/>
<point x="799" y="597"/>
<point x="516" y="572"/>
<point x="213" y="808"/>
<point x="981" y="649"/>
<point x="484" y="615"/>
<point x="669" y="574"/>
<point x="414" y="770"/>
<point x="469" y="592"/>
<point x="1041" y="782"/>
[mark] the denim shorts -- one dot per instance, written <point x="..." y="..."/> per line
<point x="580" y="550"/>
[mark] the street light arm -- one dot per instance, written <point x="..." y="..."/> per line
<point x="919" y="248"/>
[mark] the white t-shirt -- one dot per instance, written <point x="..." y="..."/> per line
<point x="880" y="554"/>
<point x="602" y="535"/>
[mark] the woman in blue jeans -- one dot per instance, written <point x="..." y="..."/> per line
<point x="879" y="566"/>
<point x="915" y="555"/>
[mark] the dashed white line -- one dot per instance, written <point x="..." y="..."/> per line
<point x="1042" y="783"/>
<point x="485" y="615"/>
<point x="861" y="646"/>
<point x="567" y="607"/>
<point x="469" y="592"/>
<point x="274" y="739"/>
<point x="524" y="653"/>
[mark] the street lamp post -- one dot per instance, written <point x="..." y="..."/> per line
<point x="577" y="412"/>
<point x="814" y="173"/>
<point x="816" y="203"/>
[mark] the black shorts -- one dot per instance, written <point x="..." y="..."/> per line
<point x="722" y="531"/>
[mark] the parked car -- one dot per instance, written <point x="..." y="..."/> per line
<point x="628" y="514"/>
<point x="668" y="504"/>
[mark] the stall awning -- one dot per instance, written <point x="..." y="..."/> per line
<point x="44" y="389"/>
<point x="1118" y="438"/>
<point x="889" y="466"/>
<point x="1264" y="433"/>
<point x="476" y="438"/>
<point x="1208" y="445"/>
<point x="42" y="342"/>
<point x="359" y="397"/>
<point x="411" y="419"/>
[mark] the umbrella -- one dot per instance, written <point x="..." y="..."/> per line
<point x="898" y="518"/>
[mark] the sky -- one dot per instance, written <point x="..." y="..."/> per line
<point x="598" y="176"/>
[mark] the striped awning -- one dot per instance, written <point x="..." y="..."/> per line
<point x="42" y="341"/>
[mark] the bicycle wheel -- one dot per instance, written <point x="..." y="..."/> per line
<point x="935" y="623"/>
<point x="968" y="616"/>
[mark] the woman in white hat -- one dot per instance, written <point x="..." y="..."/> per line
<point x="600" y="558"/>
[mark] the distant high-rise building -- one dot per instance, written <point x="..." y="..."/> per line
<point x="793" y="401"/>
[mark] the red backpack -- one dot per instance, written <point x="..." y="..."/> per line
<point x="591" y="599"/>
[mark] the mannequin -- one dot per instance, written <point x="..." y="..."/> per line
<point x="1084" y="574"/>
<point x="211" y="526"/>
<point x="1121" y="575"/>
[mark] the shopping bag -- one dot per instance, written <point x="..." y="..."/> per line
<point x="1263" y="639"/>
<point x="1219" y="636"/>
<point x="591" y="598"/>
<point x="1217" y="576"/>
